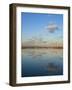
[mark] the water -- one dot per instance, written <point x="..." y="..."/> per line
<point x="41" y="62"/>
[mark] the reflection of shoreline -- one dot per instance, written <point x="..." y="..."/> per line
<point x="38" y="47"/>
<point x="42" y="52"/>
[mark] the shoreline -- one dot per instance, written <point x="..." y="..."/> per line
<point x="41" y="47"/>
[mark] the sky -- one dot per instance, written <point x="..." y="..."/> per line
<point x="48" y="27"/>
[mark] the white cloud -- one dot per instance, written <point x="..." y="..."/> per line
<point x="52" y="27"/>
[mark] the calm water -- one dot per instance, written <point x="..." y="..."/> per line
<point x="41" y="62"/>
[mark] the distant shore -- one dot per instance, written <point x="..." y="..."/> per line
<point x="38" y="47"/>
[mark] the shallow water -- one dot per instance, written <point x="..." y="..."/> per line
<point x="41" y="62"/>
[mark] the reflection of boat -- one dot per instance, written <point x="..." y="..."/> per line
<point x="52" y="67"/>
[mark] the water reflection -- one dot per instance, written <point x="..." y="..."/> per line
<point x="42" y="62"/>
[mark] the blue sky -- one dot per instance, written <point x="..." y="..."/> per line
<point x="36" y="25"/>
